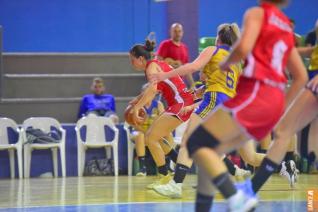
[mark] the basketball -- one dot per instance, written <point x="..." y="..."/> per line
<point x="130" y="119"/>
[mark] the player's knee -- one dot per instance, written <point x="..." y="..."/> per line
<point x="150" y="137"/>
<point x="249" y="158"/>
<point x="201" y="138"/>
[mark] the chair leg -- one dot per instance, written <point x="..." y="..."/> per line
<point x="19" y="156"/>
<point x="83" y="160"/>
<point x="27" y="160"/>
<point x="80" y="160"/>
<point x="130" y="157"/>
<point x="63" y="161"/>
<point x="54" y="156"/>
<point x="115" y="154"/>
<point x="108" y="153"/>
<point x="12" y="165"/>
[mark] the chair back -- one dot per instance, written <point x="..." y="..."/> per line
<point x="42" y="123"/>
<point x="6" y="123"/>
<point x="95" y="129"/>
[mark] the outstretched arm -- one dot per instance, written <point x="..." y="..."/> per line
<point x="188" y="68"/>
<point x="196" y="65"/>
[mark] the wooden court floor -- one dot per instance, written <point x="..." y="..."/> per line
<point x="116" y="193"/>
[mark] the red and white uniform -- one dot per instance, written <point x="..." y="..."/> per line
<point x="174" y="91"/>
<point x="259" y="102"/>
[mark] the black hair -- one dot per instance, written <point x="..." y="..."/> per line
<point x="143" y="50"/>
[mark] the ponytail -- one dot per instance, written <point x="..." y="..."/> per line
<point x="145" y="50"/>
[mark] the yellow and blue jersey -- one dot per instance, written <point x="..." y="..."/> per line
<point x="218" y="80"/>
<point x="313" y="65"/>
<point x="211" y="99"/>
<point x="220" y="85"/>
<point x="152" y="112"/>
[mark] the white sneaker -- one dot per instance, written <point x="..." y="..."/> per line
<point x="171" y="168"/>
<point x="294" y="169"/>
<point x="162" y="180"/>
<point x="241" y="172"/>
<point x="241" y="202"/>
<point x="141" y="174"/>
<point x="290" y="172"/>
<point x="283" y="170"/>
<point x="171" y="189"/>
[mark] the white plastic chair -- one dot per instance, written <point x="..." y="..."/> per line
<point x="6" y="123"/>
<point x="179" y="131"/>
<point x="45" y="124"/>
<point x="95" y="138"/>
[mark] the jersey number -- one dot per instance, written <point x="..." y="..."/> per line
<point x="230" y="79"/>
<point x="278" y="54"/>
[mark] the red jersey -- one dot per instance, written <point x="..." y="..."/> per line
<point x="268" y="59"/>
<point x="169" y="49"/>
<point x="173" y="90"/>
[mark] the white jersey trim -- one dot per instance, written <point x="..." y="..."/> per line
<point x="249" y="69"/>
<point x="177" y="96"/>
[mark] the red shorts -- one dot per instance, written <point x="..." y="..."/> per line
<point x="176" y="108"/>
<point x="257" y="107"/>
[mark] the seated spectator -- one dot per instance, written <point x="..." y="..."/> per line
<point x="311" y="37"/>
<point x="98" y="102"/>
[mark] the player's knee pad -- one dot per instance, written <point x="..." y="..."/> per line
<point x="201" y="138"/>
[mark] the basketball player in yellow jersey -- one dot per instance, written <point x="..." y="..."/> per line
<point x="311" y="52"/>
<point x="218" y="82"/>
<point x="220" y="86"/>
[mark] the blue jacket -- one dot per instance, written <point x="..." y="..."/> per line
<point x="91" y="102"/>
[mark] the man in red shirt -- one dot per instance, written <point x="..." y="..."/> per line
<point x="173" y="51"/>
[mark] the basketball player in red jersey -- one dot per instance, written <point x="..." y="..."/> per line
<point x="267" y="45"/>
<point x="175" y="94"/>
